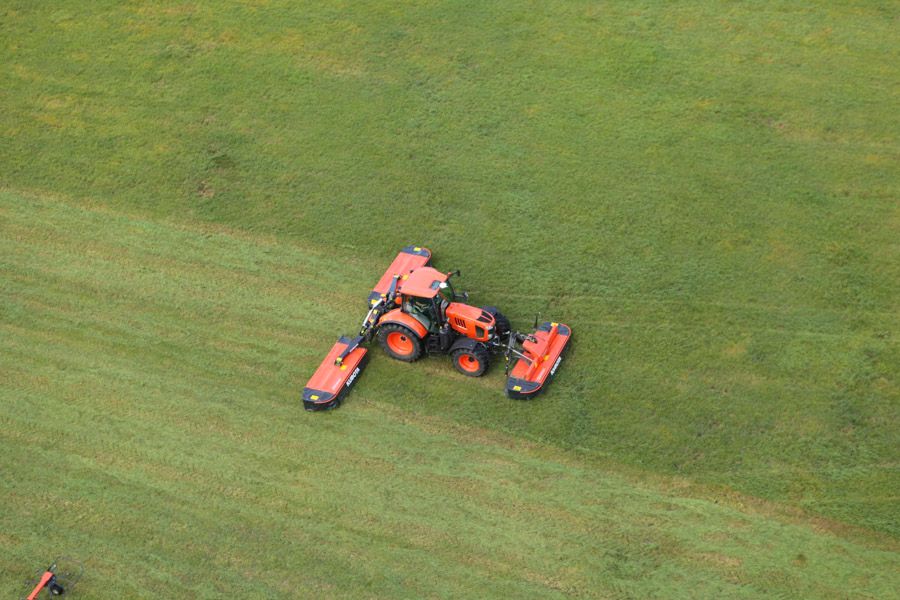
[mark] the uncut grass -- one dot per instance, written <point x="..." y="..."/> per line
<point x="146" y="430"/>
<point x="706" y="193"/>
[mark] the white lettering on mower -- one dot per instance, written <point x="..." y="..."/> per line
<point x="555" y="365"/>
<point x="352" y="377"/>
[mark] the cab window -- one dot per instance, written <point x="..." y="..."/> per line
<point x="447" y="293"/>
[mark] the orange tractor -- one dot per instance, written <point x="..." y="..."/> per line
<point x="414" y="311"/>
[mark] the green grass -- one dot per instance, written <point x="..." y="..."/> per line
<point x="706" y="192"/>
<point x="146" y="428"/>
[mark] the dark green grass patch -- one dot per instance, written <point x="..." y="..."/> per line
<point x="150" y="425"/>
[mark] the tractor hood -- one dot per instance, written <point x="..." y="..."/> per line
<point x="470" y="321"/>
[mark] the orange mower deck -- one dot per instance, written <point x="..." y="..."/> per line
<point x="335" y="376"/>
<point x="529" y="377"/>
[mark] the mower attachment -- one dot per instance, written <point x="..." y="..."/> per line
<point x="409" y="258"/>
<point x="56" y="580"/>
<point x="336" y="375"/>
<point x="538" y="361"/>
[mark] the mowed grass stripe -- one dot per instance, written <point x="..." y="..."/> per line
<point x="162" y="442"/>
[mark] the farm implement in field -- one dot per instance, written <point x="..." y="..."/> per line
<point x="57" y="579"/>
<point x="413" y="311"/>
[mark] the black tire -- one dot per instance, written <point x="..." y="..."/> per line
<point x="471" y="362"/>
<point x="502" y="326"/>
<point x="391" y="334"/>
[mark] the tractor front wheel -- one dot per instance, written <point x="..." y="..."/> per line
<point x="501" y="323"/>
<point x="472" y="362"/>
<point x="400" y="343"/>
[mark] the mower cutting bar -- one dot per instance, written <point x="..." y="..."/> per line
<point x="530" y="375"/>
<point x="334" y="378"/>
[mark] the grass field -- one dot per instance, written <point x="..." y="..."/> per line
<point x="196" y="198"/>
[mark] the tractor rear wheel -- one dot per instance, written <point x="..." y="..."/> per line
<point x="400" y="342"/>
<point x="472" y="362"/>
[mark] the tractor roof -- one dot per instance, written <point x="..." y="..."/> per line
<point x="424" y="282"/>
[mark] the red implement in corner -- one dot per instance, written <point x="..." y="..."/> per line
<point x="57" y="579"/>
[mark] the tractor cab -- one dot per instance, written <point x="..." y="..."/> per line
<point x="426" y="311"/>
<point x="426" y="294"/>
<point x="420" y="293"/>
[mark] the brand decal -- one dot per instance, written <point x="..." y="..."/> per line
<point x="555" y="365"/>
<point x="353" y="376"/>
